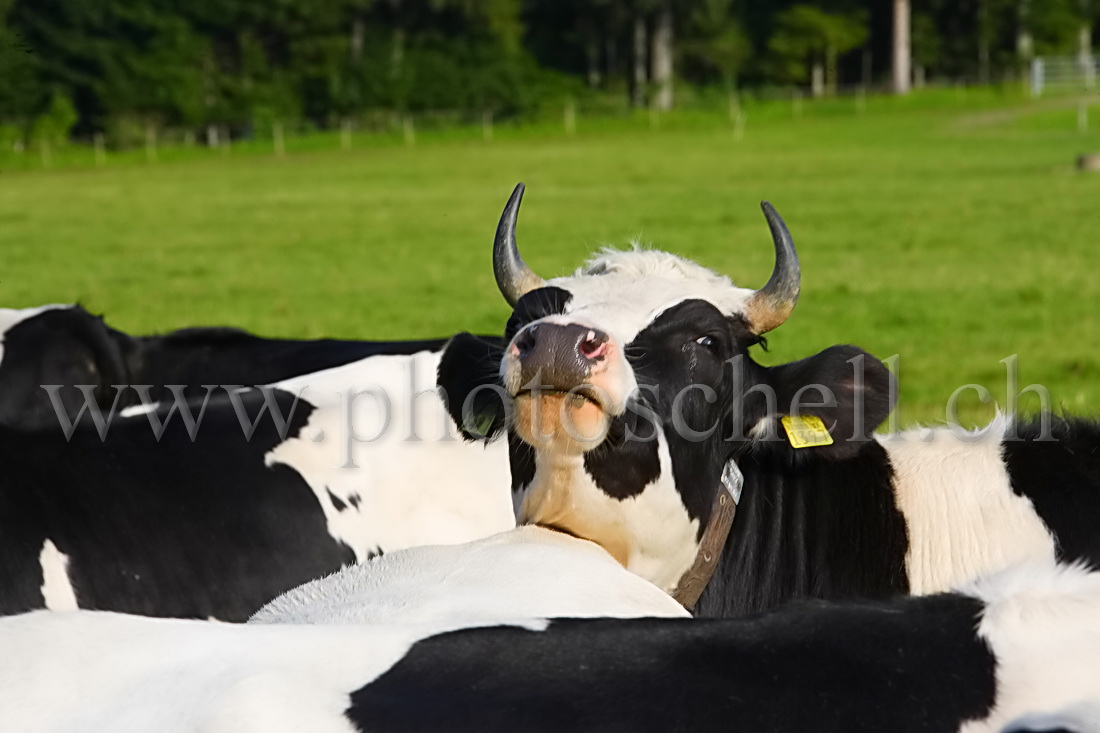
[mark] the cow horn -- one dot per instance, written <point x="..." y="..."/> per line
<point x="770" y="306"/>
<point x="514" y="278"/>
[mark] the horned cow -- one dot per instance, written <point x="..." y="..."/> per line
<point x="629" y="390"/>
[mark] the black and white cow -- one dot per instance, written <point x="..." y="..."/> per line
<point x="1016" y="652"/>
<point x="65" y="345"/>
<point x="628" y="390"/>
<point x="217" y="517"/>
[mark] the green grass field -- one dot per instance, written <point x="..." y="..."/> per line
<point x="951" y="230"/>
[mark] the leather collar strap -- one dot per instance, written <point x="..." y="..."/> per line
<point x="694" y="581"/>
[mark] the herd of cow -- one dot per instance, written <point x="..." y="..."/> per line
<point x="510" y="532"/>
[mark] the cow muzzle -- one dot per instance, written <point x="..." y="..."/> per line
<point x="558" y="375"/>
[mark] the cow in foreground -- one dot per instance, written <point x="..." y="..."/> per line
<point x="271" y="489"/>
<point x="65" y="346"/>
<point x="1021" y="646"/>
<point x="628" y="391"/>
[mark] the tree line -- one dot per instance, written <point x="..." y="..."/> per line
<point x="121" y="66"/>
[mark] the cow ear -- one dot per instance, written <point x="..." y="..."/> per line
<point x="469" y="383"/>
<point x="109" y="350"/>
<point x="847" y="389"/>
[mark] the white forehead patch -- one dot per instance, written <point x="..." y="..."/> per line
<point x="621" y="292"/>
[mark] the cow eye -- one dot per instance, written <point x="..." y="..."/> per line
<point x="707" y="342"/>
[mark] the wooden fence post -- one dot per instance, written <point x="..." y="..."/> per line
<point x="150" y="143"/>
<point x="100" y="149"/>
<point x="277" y="139"/>
<point x="487" y="125"/>
<point x="345" y="134"/>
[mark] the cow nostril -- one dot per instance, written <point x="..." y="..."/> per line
<point x="593" y="345"/>
<point x="526" y="341"/>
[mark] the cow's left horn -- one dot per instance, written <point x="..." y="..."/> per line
<point x="514" y="278"/>
<point x="770" y="306"/>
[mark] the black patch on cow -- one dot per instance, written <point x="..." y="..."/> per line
<point x="623" y="470"/>
<point x="63" y="346"/>
<point x="354" y="499"/>
<point x="171" y="528"/>
<point x="810" y="529"/>
<point x="197" y="356"/>
<point x="469" y="366"/>
<point x="548" y="301"/>
<point x="1059" y="471"/>
<point x="915" y="664"/>
<point x="521" y="459"/>
<point x="336" y="500"/>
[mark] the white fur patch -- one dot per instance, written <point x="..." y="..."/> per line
<point x="622" y="292"/>
<point x="96" y="671"/>
<point x="128" y="674"/>
<point x="57" y="589"/>
<point x="962" y="515"/>
<point x="1042" y="622"/>
<point x="527" y="571"/>
<point x="10" y="317"/>
<point x="402" y="491"/>
<point x="1083" y="717"/>
<point x="137" y="410"/>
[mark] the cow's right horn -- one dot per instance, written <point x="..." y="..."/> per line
<point x="772" y="304"/>
<point x="514" y="278"/>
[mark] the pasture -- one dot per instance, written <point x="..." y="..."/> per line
<point x="950" y="229"/>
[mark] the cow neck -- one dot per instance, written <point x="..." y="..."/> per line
<point x="553" y="492"/>
<point x="810" y="528"/>
<point x="552" y="500"/>
<point x="694" y="581"/>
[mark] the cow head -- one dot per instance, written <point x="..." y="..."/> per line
<point x="626" y="387"/>
<point x="57" y="344"/>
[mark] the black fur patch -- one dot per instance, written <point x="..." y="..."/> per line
<point x="197" y="356"/>
<point x="65" y="346"/>
<point x="915" y="664"/>
<point x="1060" y="473"/>
<point x="548" y="301"/>
<point x="175" y="528"/>
<point x="623" y="470"/>
<point x="810" y="528"/>
<point x="521" y="458"/>
<point x="336" y="500"/>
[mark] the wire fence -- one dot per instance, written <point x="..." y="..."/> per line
<point x="1063" y="73"/>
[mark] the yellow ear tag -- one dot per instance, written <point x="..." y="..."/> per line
<point x="806" y="431"/>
